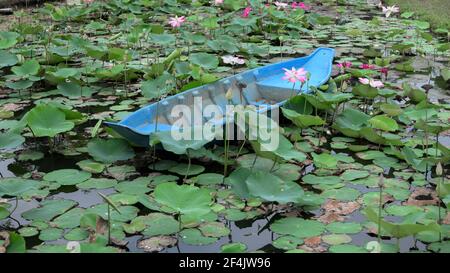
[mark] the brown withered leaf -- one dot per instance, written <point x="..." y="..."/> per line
<point x="4" y="236"/>
<point x="446" y="220"/>
<point x="313" y="241"/>
<point x="422" y="197"/>
<point x="335" y="210"/>
<point x="317" y="249"/>
<point x="157" y="243"/>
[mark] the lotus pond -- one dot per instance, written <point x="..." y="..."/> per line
<point x="362" y="164"/>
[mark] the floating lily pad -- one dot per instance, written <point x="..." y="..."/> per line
<point x="91" y="166"/>
<point x="184" y="199"/>
<point x="28" y="231"/>
<point x="76" y="234"/>
<point x="298" y="227"/>
<point x="160" y="224"/>
<point x="183" y="169"/>
<point x="208" y="179"/>
<point x="287" y="242"/>
<point x="350" y="175"/>
<point x="233" y="248"/>
<point x="50" y="234"/>
<point x="193" y="236"/>
<point x="67" y="176"/>
<point x="49" y="209"/>
<point x="214" y="229"/>
<point x="336" y="239"/>
<point x="110" y="150"/>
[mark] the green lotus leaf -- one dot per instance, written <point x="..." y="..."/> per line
<point x="48" y="121"/>
<point x="110" y="150"/>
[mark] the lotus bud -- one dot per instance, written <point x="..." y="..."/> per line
<point x="381" y="181"/>
<point x="229" y="94"/>
<point x="439" y="170"/>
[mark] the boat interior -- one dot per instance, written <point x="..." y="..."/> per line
<point x="262" y="87"/>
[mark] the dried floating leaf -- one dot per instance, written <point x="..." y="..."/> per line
<point x="422" y="197"/>
<point x="313" y="241"/>
<point x="156" y="244"/>
<point x="336" y="210"/>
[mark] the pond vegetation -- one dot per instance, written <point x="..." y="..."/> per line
<point x="362" y="164"/>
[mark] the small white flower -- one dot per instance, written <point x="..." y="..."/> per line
<point x="232" y="60"/>
<point x="389" y="10"/>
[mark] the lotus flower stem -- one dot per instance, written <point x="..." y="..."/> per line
<point x="15" y="206"/>
<point x="273" y="165"/>
<point x="109" y="223"/>
<point x="439" y="172"/>
<point x="189" y="165"/>
<point x="380" y="207"/>
<point x="240" y="148"/>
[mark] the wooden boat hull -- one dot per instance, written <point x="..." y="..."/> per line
<point x="261" y="86"/>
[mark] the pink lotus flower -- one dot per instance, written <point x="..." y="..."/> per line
<point x="281" y="5"/>
<point x="364" y="80"/>
<point x="384" y="71"/>
<point x="176" y="21"/>
<point x="300" y="5"/>
<point x="218" y="2"/>
<point x="373" y="83"/>
<point x="295" y="75"/>
<point x="88" y="1"/>
<point x="344" y="65"/>
<point x="367" y="66"/>
<point x="233" y="60"/>
<point x="246" y="12"/>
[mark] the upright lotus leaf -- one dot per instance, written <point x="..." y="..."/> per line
<point x="380" y="137"/>
<point x="317" y="101"/>
<point x="333" y="98"/>
<point x="284" y="151"/>
<point x="184" y="199"/>
<point x="158" y="87"/>
<point x="416" y="95"/>
<point x="28" y="68"/>
<point x="399" y="230"/>
<point x="16" y="244"/>
<point x="8" y="39"/>
<point x="299" y="104"/>
<point x="302" y="121"/>
<point x="384" y="123"/>
<point x="110" y="150"/>
<point x="350" y="122"/>
<point x="365" y="91"/>
<point x="182" y="146"/>
<point x="7" y="59"/>
<point x="432" y="126"/>
<point x="48" y="121"/>
<point x="413" y="160"/>
<point x="237" y="179"/>
<point x="391" y="109"/>
<point x="271" y="188"/>
<point x="204" y="60"/>
<point x="257" y="126"/>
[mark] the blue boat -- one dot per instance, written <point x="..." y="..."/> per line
<point x="261" y="86"/>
